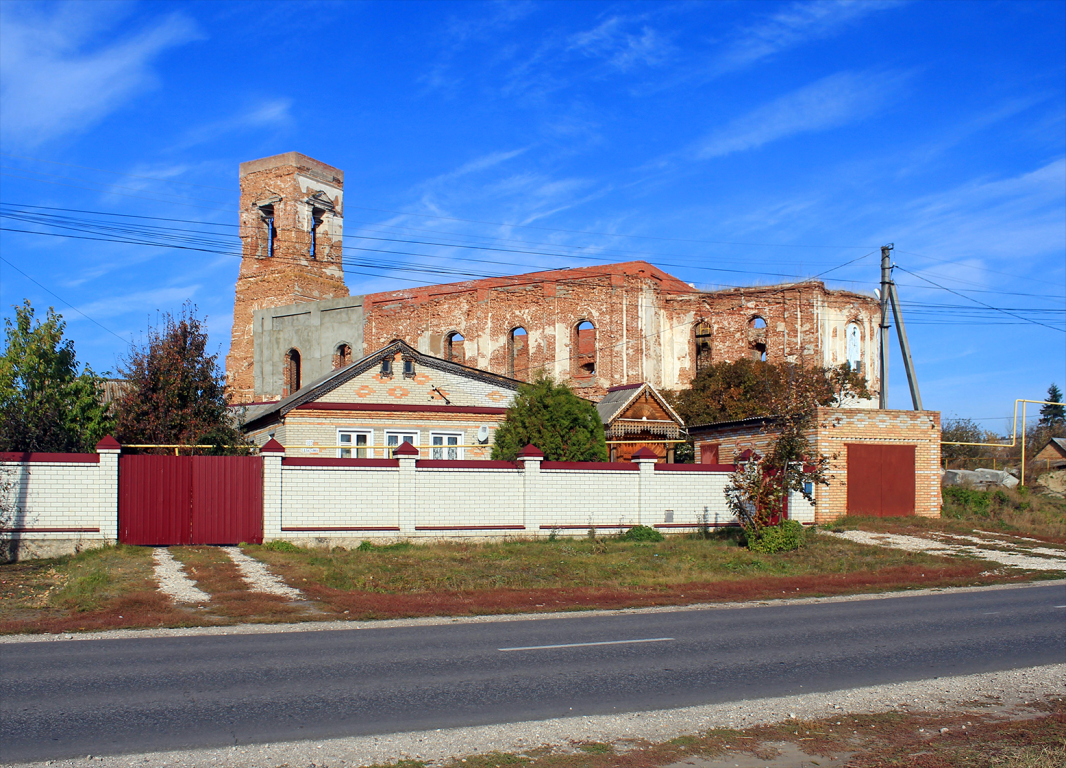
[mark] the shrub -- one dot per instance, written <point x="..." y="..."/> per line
<point x="642" y="533"/>
<point x="281" y="546"/>
<point x="365" y="546"/>
<point x="787" y="536"/>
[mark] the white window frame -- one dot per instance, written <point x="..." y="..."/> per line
<point x="400" y="433"/>
<point x="368" y="449"/>
<point x="439" y="452"/>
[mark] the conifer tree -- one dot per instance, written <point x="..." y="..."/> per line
<point x="1053" y="415"/>
<point x="547" y="414"/>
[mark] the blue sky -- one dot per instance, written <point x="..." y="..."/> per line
<point x="730" y="143"/>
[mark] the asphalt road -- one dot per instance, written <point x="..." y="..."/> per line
<point x="65" y="699"/>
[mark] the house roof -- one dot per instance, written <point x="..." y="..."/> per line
<point x="618" y="399"/>
<point x="752" y="421"/>
<point x="259" y="412"/>
<point x="1058" y="442"/>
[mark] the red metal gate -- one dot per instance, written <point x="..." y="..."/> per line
<point x="880" y="480"/>
<point x="175" y="500"/>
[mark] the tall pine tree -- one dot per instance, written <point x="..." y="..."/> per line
<point x="1053" y="415"/>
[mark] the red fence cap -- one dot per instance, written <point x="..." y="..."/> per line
<point x="272" y="446"/>
<point x="644" y="453"/>
<point x="405" y="449"/>
<point x="531" y="452"/>
<point x="108" y="443"/>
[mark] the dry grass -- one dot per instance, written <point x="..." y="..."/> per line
<point x="97" y="589"/>
<point x="506" y="577"/>
<point x="1015" y="512"/>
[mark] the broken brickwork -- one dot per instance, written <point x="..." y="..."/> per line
<point x="291" y="225"/>
<point x="596" y="327"/>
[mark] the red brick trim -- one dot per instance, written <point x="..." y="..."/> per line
<point x="333" y="462"/>
<point x="470" y="527"/>
<point x="401" y="407"/>
<point x="590" y="466"/>
<point x="54" y="458"/>
<point x="582" y="527"/>
<point x="464" y="464"/>
<point x="342" y="528"/>
<point x="695" y="467"/>
<point x="49" y="530"/>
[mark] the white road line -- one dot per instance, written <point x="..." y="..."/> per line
<point x="1060" y="606"/>
<point x="585" y="645"/>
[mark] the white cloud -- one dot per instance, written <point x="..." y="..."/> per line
<point x="828" y="103"/>
<point x="271" y="113"/>
<point x="621" y="49"/>
<point x="793" y="26"/>
<point x="57" y="77"/>
<point x="156" y="299"/>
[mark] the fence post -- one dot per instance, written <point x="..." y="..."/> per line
<point x="407" y="497"/>
<point x="272" y="453"/>
<point x="109" y="451"/>
<point x="646" y="459"/>
<point x="530" y="458"/>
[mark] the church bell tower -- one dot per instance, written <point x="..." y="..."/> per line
<point x="291" y="228"/>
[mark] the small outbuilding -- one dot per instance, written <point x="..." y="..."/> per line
<point x="1053" y="454"/>
<point x="636" y="416"/>
<point x="883" y="463"/>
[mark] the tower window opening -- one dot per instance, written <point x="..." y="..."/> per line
<point x="267" y="213"/>
<point x="342" y="356"/>
<point x="316" y="223"/>
<point x="703" y="344"/>
<point x="585" y="342"/>
<point x="518" y="354"/>
<point x="291" y="373"/>
<point x="757" y="338"/>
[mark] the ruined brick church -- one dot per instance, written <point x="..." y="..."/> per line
<point x="597" y="327"/>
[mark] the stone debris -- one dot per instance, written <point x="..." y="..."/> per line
<point x="1026" y="558"/>
<point x="978" y="478"/>
<point x="259" y="578"/>
<point x="172" y="579"/>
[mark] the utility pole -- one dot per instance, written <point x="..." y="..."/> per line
<point x="905" y="348"/>
<point x="886" y="277"/>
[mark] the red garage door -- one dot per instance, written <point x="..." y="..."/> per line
<point x="175" y="500"/>
<point x="880" y="480"/>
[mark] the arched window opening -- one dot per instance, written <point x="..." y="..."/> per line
<point x="292" y="373"/>
<point x="266" y="213"/>
<point x="853" y="346"/>
<point x="757" y="338"/>
<point x="342" y="357"/>
<point x="518" y="354"/>
<point x="453" y="347"/>
<point x="585" y="343"/>
<point x="703" y="345"/>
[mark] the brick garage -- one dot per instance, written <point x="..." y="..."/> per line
<point x="882" y="462"/>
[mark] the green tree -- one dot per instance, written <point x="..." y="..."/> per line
<point x="746" y="387"/>
<point x="177" y="393"/>
<point x="547" y="414"/>
<point x="46" y="403"/>
<point x="1053" y="415"/>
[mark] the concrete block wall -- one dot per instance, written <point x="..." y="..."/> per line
<point x="57" y="503"/>
<point x="341" y="502"/>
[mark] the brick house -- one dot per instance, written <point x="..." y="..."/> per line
<point x="1054" y="453"/>
<point x="882" y="462"/>
<point x="638" y="414"/>
<point x="392" y="396"/>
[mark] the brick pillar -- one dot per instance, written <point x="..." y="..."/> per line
<point x="407" y="495"/>
<point x="272" y="453"/>
<point x="109" y="451"/>
<point x="532" y="505"/>
<point x="645" y="459"/>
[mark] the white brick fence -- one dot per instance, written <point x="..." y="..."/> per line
<point x="59" y="503"/>
<point x="340" y="501"/>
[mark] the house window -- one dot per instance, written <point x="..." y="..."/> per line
<point x="353" y="443"/>
<point x="453" y="347"/>
<point x="291" y="373"/>
<point x="394" y="438"/>
<point x="447" y="445"/>
<point x="408" y="369"/>
<point x="585" y="344"/>
<point x="386" y="367"/>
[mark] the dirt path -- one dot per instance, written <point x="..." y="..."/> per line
<point x="1009" y="551"/>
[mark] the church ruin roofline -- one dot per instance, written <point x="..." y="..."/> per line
<point x="293" y="159"/>
<point x="668" y="282"/>
<point x="752" y="290"/>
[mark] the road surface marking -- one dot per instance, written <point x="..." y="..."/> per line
<point x="585" y="645"/>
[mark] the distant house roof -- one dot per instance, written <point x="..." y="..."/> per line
<point x="263" y="412"/>
<point x="110" y="391"/>
<point x="613" y="406"/>
<point x="1058" y="443"/>
<point x="714" y="426"/>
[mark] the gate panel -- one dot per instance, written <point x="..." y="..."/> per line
<point x="864" y="479"/>
<point x="155" y="500"/>
<point x="897" y="480"/>
<point x="227" y="499"/>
